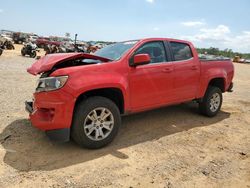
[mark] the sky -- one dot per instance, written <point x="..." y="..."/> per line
<point x="217" y="23"/>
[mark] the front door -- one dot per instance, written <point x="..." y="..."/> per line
<point x="151" y="85"/>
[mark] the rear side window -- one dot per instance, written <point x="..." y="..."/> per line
<point x="181" y="51"/>
<point x="155" y="50"/>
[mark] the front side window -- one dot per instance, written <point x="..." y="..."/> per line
<point x="155" y="50"/>
<point x="181" y="51"/>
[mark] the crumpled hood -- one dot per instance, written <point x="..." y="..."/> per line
<point x="47" y="62"/>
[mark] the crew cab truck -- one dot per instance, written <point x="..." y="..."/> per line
<point x="82" y="96"/>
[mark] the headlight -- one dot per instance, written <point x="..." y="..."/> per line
<point x="51" y="83"/>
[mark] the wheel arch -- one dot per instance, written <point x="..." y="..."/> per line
<point x="114" y="94"/>
<point x="219" y="82"/>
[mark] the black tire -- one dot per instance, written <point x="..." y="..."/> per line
<point x="85" y="107"/>
<point x="33" y="54"/>
<point x="12" y="47"/>
<point x="23" y="52"/>
<point x="205" y="107"/>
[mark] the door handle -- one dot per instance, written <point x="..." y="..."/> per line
<point x="167" y="70"/>
<point x="194" y="67"/>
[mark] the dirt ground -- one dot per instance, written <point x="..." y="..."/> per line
<point x="169" y="147"/>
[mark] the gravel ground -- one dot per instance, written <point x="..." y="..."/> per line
<point x="169" y="147"/>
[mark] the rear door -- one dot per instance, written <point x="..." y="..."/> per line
<point x="151" y="85"/>
<point x="186" y="71"/>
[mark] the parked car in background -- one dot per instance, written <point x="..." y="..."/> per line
<point x="68" y="47"/>
<point x="61" y="39"/>
<point x="41" y="42"/>
<point x="242" y="60"/>
<point x="7" y="33"/>
<point x="32" y="38"/>
<point x="83" y="96"/>
<point x="19" y="37"/>
<point x="6" y="37"/>
<point x="6" y="42"/>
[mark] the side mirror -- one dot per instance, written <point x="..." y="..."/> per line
<point x="141" y="59"/>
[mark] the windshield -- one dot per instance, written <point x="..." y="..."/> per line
<point x="115" y="51"/>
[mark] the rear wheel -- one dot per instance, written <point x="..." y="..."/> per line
<point x="23" y="51"/>
<point x="211" y="102"/>
<point x="96" y="122"/>
<point x="10" y="46"/>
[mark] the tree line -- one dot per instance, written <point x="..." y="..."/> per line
<point x="226" y="53"/>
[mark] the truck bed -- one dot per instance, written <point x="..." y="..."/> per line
<point x="203" y="57"/>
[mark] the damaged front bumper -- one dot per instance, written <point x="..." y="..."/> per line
<point x="42" y="119"/>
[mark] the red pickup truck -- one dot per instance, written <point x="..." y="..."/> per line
<point x="83" y="96"/>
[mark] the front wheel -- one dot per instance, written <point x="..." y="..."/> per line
<point x="212" y="101"/>
<point x="33" y="54"/>
<point x="96" y="122"/>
